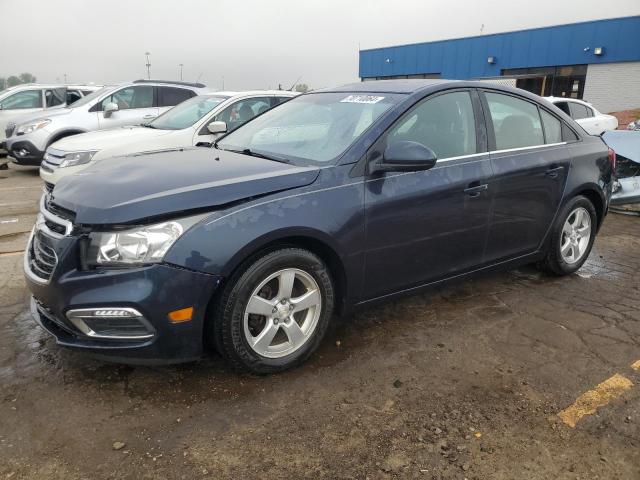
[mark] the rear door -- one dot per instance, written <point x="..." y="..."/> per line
<point x="530" y="162"/>
<point x="427" y="225"/>
<point x="136" y="105"/>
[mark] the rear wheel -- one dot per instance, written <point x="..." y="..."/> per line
<point x="572" y="237"/>
<point x="274" y="312"/>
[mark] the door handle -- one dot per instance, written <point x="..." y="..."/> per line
<point x="148" y="117"/>
<point x="553" y="172"/>
<point x="474" y="189"/>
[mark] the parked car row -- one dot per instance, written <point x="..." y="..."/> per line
<point x="114" y="106"/>
<point x="194" y="122"/>
<point x="246" y="222"/>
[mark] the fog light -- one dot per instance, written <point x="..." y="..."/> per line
<point x="182" y="315"/>
<point x="111" y="323"/>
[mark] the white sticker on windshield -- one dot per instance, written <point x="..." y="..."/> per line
<point x="361" y="99"/>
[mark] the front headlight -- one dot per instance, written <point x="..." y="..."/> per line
<point x="32" y="127"/>
<point x="137" y="246"/>
<point x="76" y="158"/>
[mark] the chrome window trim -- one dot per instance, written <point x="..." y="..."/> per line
<point x="528" y="148"/>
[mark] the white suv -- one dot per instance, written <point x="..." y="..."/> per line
<point x="126" y="104"/>
<point x="195" y="122"/>
<point x="21" y="100"/>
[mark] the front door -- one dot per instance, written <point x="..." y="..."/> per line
<point x="530" y="164"/>
<point x="428" y="225"/>
<point x="136" y="105"/>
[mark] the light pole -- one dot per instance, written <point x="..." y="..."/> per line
<point x="148" y="64"/>
<point x="65" y="78"/>
<point x="181" y="65"/>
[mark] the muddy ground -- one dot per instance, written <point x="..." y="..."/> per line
<point x="463" y="382"/>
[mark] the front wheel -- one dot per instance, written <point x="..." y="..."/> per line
<point x="274" y="312"/>
<point x="572" y="237"/>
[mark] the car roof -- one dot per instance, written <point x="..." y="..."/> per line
<point x="388" y="86"/>
<point x="565" y="99"/>
<point x="36" y="86"/>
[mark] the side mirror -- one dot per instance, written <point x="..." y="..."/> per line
<point x="405" y="156"/>
<point x="217" y="127"/>
<point x="109" y="108"/>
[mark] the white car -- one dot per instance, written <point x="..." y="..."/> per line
<point x="125" y="104"/>
<point x="594" y="122"/>
<point x="21" y="100"/>
<point x="195" y="122"/>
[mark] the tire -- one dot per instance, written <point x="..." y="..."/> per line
<point x="236" y="332"/>
<point x="558" y="262"/>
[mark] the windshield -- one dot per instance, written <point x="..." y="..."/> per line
<point x="92" y="96"/>
<point x="311" y="129"/>
<point x="187" y="113"/>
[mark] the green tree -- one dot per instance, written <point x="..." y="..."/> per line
<point x="3" y="83"/>
<point x="26" y="77"/>
<point x="302" y="88"/>
<point x="12" y="81"/>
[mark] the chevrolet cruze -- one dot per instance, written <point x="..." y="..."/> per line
<point x="332" y="201"/>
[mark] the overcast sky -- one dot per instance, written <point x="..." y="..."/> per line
<point x="251" y="43"/>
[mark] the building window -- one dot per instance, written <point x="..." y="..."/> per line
<point x="566" y="81"/>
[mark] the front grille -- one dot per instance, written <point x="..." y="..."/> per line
<point x="42" y="257"/>
<point x="625" y="168"/>
<point x="58" y="211"/>
<point x="48" y="187"/>
<point x="54" y="157"/>
<point x="8" y="131"/>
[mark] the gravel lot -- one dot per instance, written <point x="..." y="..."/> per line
<point x="463" y="382"/>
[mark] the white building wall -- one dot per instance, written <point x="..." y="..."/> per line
<point x="612" y="87"/>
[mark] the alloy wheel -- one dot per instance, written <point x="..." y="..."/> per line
<point x="576" y="234"/>
<point x="282" y="313"/>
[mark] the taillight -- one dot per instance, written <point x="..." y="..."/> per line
<point x="612" y="158"/>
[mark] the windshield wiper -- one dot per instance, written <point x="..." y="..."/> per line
<point x="252" y="153"/>
<point x="148" y="125"/>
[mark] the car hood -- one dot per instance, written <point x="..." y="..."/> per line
<point x="105" y="139"/>
<point x="137" y="187"/>
<point x="624" y="142"/>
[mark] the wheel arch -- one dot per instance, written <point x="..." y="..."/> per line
<point x="62" y="134"/>
<point x="596" y="198"/>
<point x="314" y="241"/>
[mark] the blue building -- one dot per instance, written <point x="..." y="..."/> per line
<point x="598" y="61"/>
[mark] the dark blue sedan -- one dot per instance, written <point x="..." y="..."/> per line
<point x="334" y="200"/>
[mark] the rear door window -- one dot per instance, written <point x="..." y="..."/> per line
<point x="552" y="128"/>
<point x="516" y="122"/>
<point x="578" y="111"/>
<point x="172" y="96"/>
<point x="564" y="106"/>
<point x="73" y="96"/>
<point x="444" y="123"/>
<point x="55" y="97"/>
